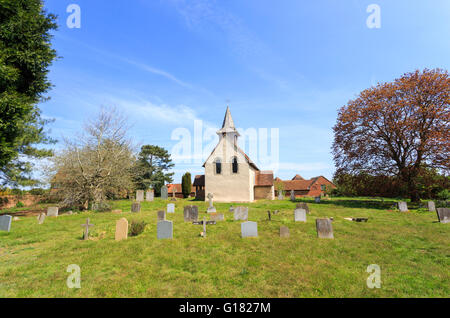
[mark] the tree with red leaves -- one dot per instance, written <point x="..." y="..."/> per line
<point x="397" y="129"/>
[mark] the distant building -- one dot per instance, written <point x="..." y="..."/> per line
<point x="178" y="190"/>
<point x="313" y="187"/>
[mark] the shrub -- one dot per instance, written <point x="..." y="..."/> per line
<point x="443" y="195"/>
<point x="136" y="228"/>
<point x="186" y="184"/>
<point x="19" y="204"/>
<point x="37" y="191"/>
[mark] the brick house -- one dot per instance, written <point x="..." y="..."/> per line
<point x="313" y="187"/>
<point x="178" y="190"/>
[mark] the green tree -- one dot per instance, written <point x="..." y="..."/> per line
<point x="25" y="57"/>
<point x="151" y="169"/>
<point x="186" y="184"/>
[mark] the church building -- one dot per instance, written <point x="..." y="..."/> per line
<point x="230" y="175"/>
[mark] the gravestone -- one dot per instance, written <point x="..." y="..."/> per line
<point x="204" y="227"/>
<point x="443" y="215"/>
<point x="402" y="206"/>
<point x="161" y="215"/>
<point x="41" y="218"/>
<point x="324" y="228"/>
<point x="231" y="209"/>
<point x="211" y="208"/>
<point x="217" y="217"/>
<point x="139" y="195"/>
<point x="136" y="207"/>
<point x="280" y="195"/>
<point x="249" y="229"/>
<point x="174" y="196"/>
<point x="164" y="192"/>
<point x="317" y="199"/>
<point x="304" y="206"/>
<point x="190" y="213"/>
<point x="241" y="213"/>
<point x="164" y="230"/>
<point x="149" y="195"/>
<point x="300" y="215"/>
<point x="171" y="208"/>
<point x="86" y="229"/>
<point x="121" y="229"/>
<point x="284" y="231"/>
<point x="292" y="195"/>
<point x="5" y="222"/>
<point x="52" y="211"/>
<point x="431" y="206"/>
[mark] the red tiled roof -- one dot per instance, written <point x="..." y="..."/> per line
<point x="264" y="178"/>
<point x="177" y="187"/>
<point x="297" y="184"/>
<point x="298" y="177"/>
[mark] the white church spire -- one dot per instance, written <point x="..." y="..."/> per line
<point x="228" y="125"/>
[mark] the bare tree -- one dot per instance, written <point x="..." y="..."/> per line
<point x="96" y="164"/>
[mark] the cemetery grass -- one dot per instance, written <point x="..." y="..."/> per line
<point x="411" y="249"/>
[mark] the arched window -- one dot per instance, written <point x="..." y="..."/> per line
<point x="218" y="166"/>
<point x="234" y="165"/>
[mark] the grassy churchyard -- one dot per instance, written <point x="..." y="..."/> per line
<point x="411" y="249"/>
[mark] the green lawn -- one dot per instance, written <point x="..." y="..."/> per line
<point x="411" y="248"/>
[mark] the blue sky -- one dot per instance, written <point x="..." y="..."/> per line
<point x="280" y="64"/>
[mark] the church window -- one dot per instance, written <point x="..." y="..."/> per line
<point x="234" y="164"/>
<point x="218" y="166"/>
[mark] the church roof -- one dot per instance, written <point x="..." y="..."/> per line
<point x="228" y="124"/>
<point x="264" y="178"/>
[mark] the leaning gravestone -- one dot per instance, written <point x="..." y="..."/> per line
<point x="190" y="213"/>
<point x="5" y="222"/>
<point x="121" y="229"/>
<point x="164" y="230"/>
<point x="241" y="213"/>
<point x="217" y="217"/>
<point x="443" y="215"/>
<point x="402" y="206"/>
<point x="431" y="206"/>
<point x="300" y="215"/>
<point x="171" y="208"/>
<point x="139" y="195"/>
<point x="292" y="196"/>
<point x="317" y="199"/>
<point x="161" y="215"/>
<point x="164" y="192"/>
<point x="249" y="229"/>
<point x="52" y="211"/>
<point x="41" y="218"/>
<point x="211" y="208"/>
<point x="324" y="228"/>
<point x="284" y="231"/>
<point x="304" y="206"/>
<point x="149" y="195"/>
<point x="136" y="207"/>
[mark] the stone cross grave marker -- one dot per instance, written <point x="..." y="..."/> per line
<point x="190" y="213"/>
<point x="402" y="206"/>
<point x="171" y="208"/>
<point x="149" y="195"/>
<point x="292" y="196"/>
<point x="249" y="229"/>
<point x="324" y="228"/>
<point x="217" y="217"/>
<point x="139" y="195"/>
<point x="211" y="208"/>
<point x="164" y="192"/>
<point x="41" y="218"/>
<point x="161" y="215"/>
<point x="174" y="196"/>
<point x="300" y="215"/>
<point x="121" y="229"/>
<point x="304" y="206"/>
<point x="241" y="213"/>
<point x="204" y="226"/>
<point x="431" y="206"/>
<point x="280" y="195"/>
<point x="86" y="229"/>
<point x="136" y="207"/>
<point x="164" y="230"/>
<point x="284" y="231"/>
<point x="52" y="211"/>
<point x="317" y="199"/>
<point x="5" y="222"/>
<point x="443" y="215"/>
